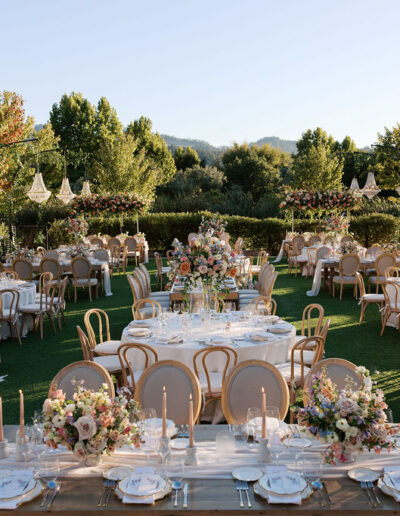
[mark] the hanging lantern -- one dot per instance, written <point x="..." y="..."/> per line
<point x="355" y="188"/>
<point x="370" y="189"/>
<point x="38" y="191"/>
<point x="65" y="194"/>
<point x="86" y="189"/>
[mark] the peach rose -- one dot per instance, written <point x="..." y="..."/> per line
<point x="233" y="272"/>
<point x="184" y="268"/>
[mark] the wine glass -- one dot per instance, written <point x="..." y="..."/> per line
<point x="296" y="445"/>
<point x="146" y="417"/>
<point x="253" y="417"/>
<point x="26" y="448"/>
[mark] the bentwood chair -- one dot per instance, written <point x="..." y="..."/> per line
<point x="323" y="252"/>
<point x="337" y="370"/>
<point x="179" y="382"/>
<point x="391" y="291"/>
<point x="59" y="303"/>
<point x="207" y="367"/>
<point x="137" y="312"/>
<point x="238" y="247"/>
<point x="308" y="315"/>
<point x="161" y="297"/>
<point x="298" y="242"/>
<point x="93" y="375"/>
<point x="264" y="305"/>
<point x="348" y="266"/>
<point x="242" y="389"/>
<point x="40" y="251"/>
<point x="81" y="271"/>
<point x="128" y="355"/>
<point x="97" y="242"/>
<point x="313" y="240"/>
<point x="308" y="352"/>
<point x="368" y="299"/>
<point x="9" y="315"/>
<point x="41" y="307"/>
<point x="382" y="262"/>
<point x="392" y="272"/>
<point x="113" y="241"/>
<point x="51" y="265"/>
<point x="261" y="259"/>
<point x="23" y="268"/>
<point x="103" y="345"/>
<point x="312" y="260"/>
<point x="109" y="362"/>
<point x="374" y="251"/>
<point x="346" y="238"/>
<point x="131" y="247"/>
<point x="52" y="254"/>
<point x="225" y="237"/>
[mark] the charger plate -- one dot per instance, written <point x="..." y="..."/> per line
<point x="162" y="493"/>
<point x="305" y="494"/>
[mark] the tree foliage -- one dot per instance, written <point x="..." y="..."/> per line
<point x="317" y="164"/>
<point x="387" y="158"/>
<point x="186" y="158"/>
<point x="255" y="169"/>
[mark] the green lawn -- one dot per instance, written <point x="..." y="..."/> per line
<point x="32" y="366"/>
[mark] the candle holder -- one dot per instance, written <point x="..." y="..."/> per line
<point x="191" y="456"/>
<point x="164" y="450"/>
<point x="21" y="448"/>
<point x="4" y="451"/>
<point x="263" y="453"/>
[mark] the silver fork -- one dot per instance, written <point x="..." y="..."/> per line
<point x="103" y="492"/>
<point x="373" y="491"/>
<point x="239" y="488"/>
<point x="110" y="486"/>
<point x="245" y="488"/>
<point x="365" y="488"/>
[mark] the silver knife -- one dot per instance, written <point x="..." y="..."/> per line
<point x="185" y="493"/>
<point x="328" y="500"/>
<point x="53" y="495"/>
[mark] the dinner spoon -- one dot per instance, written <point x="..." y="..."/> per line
<point x="177" y="485"/>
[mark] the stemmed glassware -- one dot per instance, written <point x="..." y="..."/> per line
<point x="253" y="417"/>
<point x="49" y="468"/>
<point x="148" y="430"/>
<point x="296" y="444"/>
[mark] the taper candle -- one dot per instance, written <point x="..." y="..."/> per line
<point x="164" y="413"/>
<point x="263" y="414"/>
<point x="21" y="415"/>
<point x="191" y="433"/>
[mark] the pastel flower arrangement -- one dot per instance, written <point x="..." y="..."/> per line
<point x="350" y="247"/>
<point x="338" y="223"/>
<point x="347" y="420"/>
<point x="25" y="252"/>
<point x="391" y="247"/>
<point x="77" y="250"/>
<point x="207" y="260"/>
<point x="109" y="204"/>
<point x="213" y="227"/>
<point x="77" y="227"/>
<point x="310" y="200"/>
<point x="91" y="423"/>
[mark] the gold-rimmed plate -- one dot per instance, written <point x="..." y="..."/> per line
<point x="117" y="472"/>
<point x="16" y="486"/>
<point x="162" y="493"/>
<point x="290" y="483"/>
<point x="305" y="494"/>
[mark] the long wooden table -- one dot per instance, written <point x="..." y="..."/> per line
<point x="206" y="496"/>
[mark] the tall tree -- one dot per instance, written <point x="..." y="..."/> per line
<point x="387" y="158"/>
<point x="317" y="165"/>
<point x="256" y="169"/>
<point x="154" y="147"/>
<point x="186" y="158"/>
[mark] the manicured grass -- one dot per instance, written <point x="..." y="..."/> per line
<point x="32" y="366"/>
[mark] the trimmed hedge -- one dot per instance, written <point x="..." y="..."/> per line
<point x="375" y="228"/>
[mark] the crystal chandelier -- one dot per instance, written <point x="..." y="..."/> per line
<point x="355" y="188"/>
<point x="86" y="189"/>
<point x="370" y="189"/>
<point x="65" y="194"/>
<point x="38" y="191"/>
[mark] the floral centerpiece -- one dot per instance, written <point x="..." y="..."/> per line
<point x="348" y="420"/>
<point x="337" y="223"/>
<point x="213" y="227"/>
<point x="391" y="247"/>
<point x="312" y="200"/>
<point x="77" y="227"/>
<point x="140" y="237"/>
<point x="207" y="260"/>
<point x="350" y="247"/>
<point x="90" y="424"/>
<point x="77" y="250"/>
<point x="25" y="253"/>
<point x="108" y="204"/>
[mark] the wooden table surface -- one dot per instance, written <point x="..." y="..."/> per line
<point x="206" y="496"/>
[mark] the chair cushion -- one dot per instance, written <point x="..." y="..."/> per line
<point x="215" y="380"/>
<point x="285" y="370"/>
<point x="373" y="279"/>
<point x="255" y="268"/>
<point x="308" y="357"/>
<point x="84" y="281"/>
<point x="109" y="362"/>
<point x="248" y="291"/>
<point x="373" y="298"/>
<point x="155" y="295"/>
<point x="34" y="307"/>
<point x="345" y="279"/>
<point x="109" y="347"/>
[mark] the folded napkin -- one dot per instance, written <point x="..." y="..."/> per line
<point x="276" y="498"/>
<point x="260" y="337"/>
<point x="9" y="504"/>
<point x="139" y="332"/>
<point x="141" y="486"/>
<point x="392" y="476"/>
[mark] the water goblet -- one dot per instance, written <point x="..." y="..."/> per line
<point x="253" y="417"/>
<point x="49" y="469"/>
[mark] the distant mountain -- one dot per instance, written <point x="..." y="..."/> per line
<point x="210" y="154"/>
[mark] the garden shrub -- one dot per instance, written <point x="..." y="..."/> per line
<point x="374" y="228"/>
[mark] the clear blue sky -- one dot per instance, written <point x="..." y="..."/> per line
<point x="218" y="70"/>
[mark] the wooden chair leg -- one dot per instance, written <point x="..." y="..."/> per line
<point x="90" y="292"/>
<point x="385" y="319"/>
<point x="50" y="316"/>
<point x="41" y="326"/>
<point x="341" y="290"/>
<point x="17" y="332"/>
<point x="75" y="294"/>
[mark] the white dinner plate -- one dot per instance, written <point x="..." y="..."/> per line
<point x="117" y="473"/>
<point x="131" y="487"/>
<point x="247" y="474"/>
<point x="363" y="474"/>
<point x="16" y="485"/>
<point x="284" y="483"/>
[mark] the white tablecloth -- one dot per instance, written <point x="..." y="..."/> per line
<point x="27" y="293"/>
<point x="274" y="351"/>
<point x="280" y="255"/>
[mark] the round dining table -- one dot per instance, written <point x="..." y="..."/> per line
<point x="27" y="294"/>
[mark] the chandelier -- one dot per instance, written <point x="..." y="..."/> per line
<point x="86" y="189"/>
<point x="65" y="194"/>
<point x="370" y="189"/>
<point x="38" y="191"/>
<point x="355" y="188"/>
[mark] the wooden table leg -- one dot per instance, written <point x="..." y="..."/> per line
<point x="331" y="274"/>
